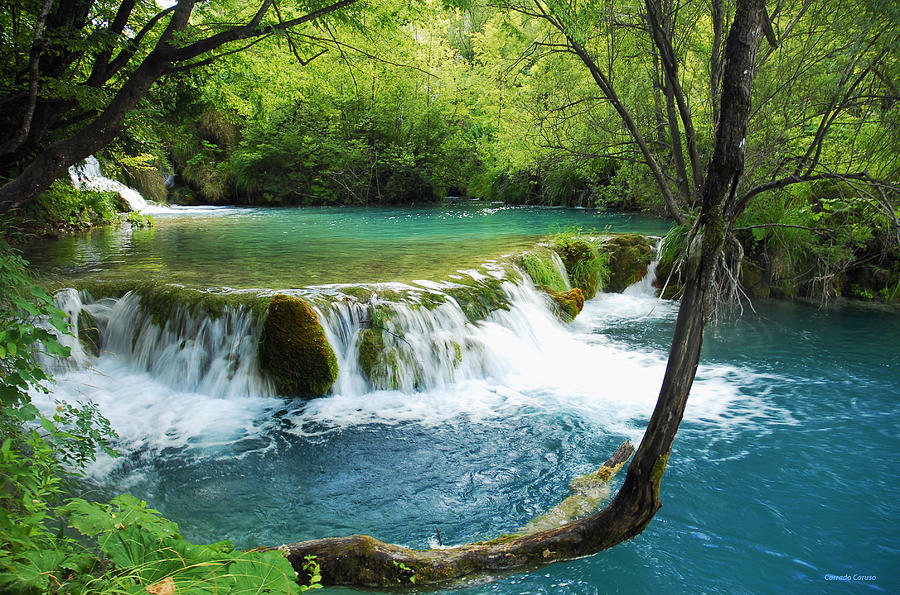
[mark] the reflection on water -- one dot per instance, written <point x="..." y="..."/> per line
<point x="280" y="248"/>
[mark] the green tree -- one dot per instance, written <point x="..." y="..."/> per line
<point x="72" y="71"/>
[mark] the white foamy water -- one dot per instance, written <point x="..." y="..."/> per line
<point x="523" y="362"/>
<point x="193" y="383"/>
<point x="87" y="176"/>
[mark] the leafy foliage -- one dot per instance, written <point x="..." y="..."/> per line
<point x="126" y="547"/>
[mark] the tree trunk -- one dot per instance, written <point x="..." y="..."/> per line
<point x="364" y="561"/>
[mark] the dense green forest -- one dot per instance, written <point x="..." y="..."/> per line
<point x="403" y="104"/>
<point x="782" y="180"/>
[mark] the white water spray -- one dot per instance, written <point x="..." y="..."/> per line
<point x="192" y="380"/>
<point x="87" y="176"/>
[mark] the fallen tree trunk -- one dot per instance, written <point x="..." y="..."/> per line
<point x="365" y="561"/>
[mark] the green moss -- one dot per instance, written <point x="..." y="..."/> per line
<point x="478" y="298"/>
<point x="629" y="255"/>
<point x="659" y="467"/>
<point x="148" y="180"/>
<point x="166" y="301"/>
<point x="568" y="303"/>
<point x="431" y="300"/>
<point x="500" y="539"/>
<point x="293" y="349"/>
<point x="539" y="265"/>
<point x="673" y="249"/>
<point x="672" y="291"/>
<point x="371" y="345"/>
<point x="586" y="266"/>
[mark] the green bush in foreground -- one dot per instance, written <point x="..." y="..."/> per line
<point x="124" y="547"/>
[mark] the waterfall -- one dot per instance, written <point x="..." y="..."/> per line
<point x="190" y="350"/>
<point x="87" y="176"/>
<point x="171" y="372"/>
<point x="645" y="287"/>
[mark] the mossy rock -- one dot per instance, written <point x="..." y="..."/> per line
<point x="149" y="181"/>
<point x="672" y="291"/>
<point x="753" y="280"/>
<point x="293" y="349"/>
<point x="585" y="265"/>
<point x="165" y="302"/>
<point x="569" y="304"/>
<point x="88" y="333"/>
<point x="370" y="351"/>
<point x="540" y="266"/>
<point x="629" y="256"/>
<point x="479" y="298"/>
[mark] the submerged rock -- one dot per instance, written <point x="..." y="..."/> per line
<point x="293" y="349"/>
<point x="629" y="256"/>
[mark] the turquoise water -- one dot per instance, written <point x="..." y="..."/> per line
<point x="281" y="248"/>
<point x="784" y="471"/>
<point x="783" y="475"/>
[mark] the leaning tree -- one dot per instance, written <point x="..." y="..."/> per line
<point x="704" y="186"/>
<point x="72" y="71"/>
<point x="363" y="560"/>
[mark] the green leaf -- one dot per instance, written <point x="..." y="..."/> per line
<point x="49" y="425"/>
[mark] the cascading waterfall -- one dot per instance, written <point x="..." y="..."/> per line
<point x="429" y="352"/>
<point x="87" y="176"/>
<point x="189" y="351"/>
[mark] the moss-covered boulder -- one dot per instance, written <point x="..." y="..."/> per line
<point x="568" y="303"/>
<point x="629" y="256"/>
<point x="541" y="265"/>
<point x="478" y="298"/>
<point x="88" y="333"/>
<point x="293" y="349"/>
<point x="380" y="363"/>
<point x="585" y="264"/>
<point x="148" y="180"/>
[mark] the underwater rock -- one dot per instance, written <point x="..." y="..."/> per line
<point x="293" y="349"/>
<point x="629" y="256"/>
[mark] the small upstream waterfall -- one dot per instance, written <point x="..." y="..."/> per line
<point x="646" y="287"/>
<point x="87" y="176"/>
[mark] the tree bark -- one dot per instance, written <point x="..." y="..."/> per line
<point x="364" y="561"/>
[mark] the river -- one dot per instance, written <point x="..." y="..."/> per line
<point x="783" y="476"/>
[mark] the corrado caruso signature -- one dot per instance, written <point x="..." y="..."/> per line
<point x="850" y="577"/>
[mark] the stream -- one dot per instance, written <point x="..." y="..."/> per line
<point x="783" y="475"/>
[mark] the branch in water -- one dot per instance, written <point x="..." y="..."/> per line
<point x="365" y="561"/>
